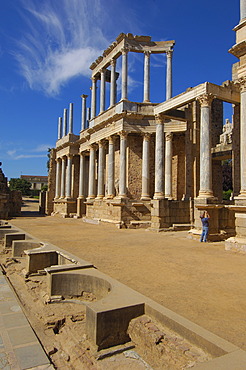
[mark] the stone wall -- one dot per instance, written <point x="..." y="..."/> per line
<point x="135" y="143"/>
<point x="51" y="183"/>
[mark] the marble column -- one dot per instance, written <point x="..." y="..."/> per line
<point x="124" y="74"/>
<point x="58" y="178"/>
<point x="101" y="167"/>
<point x="122" y="179"/>
<point x="88" y="116"/>
<point x="70" y="127"/>
<point x="102" y="91"/>
<point x="159" y="159"/>
<point x="168" y="164"/>
<point x="242" y="9"/>
<point x="93" y="97"/>
<point x="169" y="54"/>
<point x="205" y="147"/>
<point x="145" y="168"/>
<point x="111" y="171"/>
<point x="242" y="82"/>
<point x="63" y="177"/>
<point x="83" y="112"/>
<point x="69" y="176"/>
<point x="59" y="128"/>
<point x="112" y="83"/>
<point x="65" y="122"/>
<point x="91" y="184"/>
<point x="81" y="176"/>
<point x="146" y="76"/>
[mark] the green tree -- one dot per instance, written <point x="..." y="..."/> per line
<point x="20" y="184"/>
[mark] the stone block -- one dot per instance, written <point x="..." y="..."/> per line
<point x="9" y="238"/>
<point x="18" y="247"/>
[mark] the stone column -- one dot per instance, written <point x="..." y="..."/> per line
<point x="111" y="154"/>
<point x="101" y="167"/>
<point x="65" y="122"/>
<point x="58" y="178"/>
<point x="145" y="168"/>
<point x="112" y="83"/>
<point x="83" y="112"/>
<point x="159" y="159"/>
<point x="59" y="128"/>
<point x="146" y="76"/>
<point x="122" y="180"/>
<point x="169" y="75"/>
<point x="205" y="147"/>
<point x="242" y="9"/>
<point x="168" y="164"/>
<point x="88" y="116"/>
<point x="63" y="177"/>
<point x="70" y="129"/>
<point x="81" y="175"/>
<point x="69" y="176"/>
<point x="242" y="82"/>
<point x="93" y="97"/>
<point x="124" y="74"/>
<point x="91" y="184"/>
<point x="102" y="91"/>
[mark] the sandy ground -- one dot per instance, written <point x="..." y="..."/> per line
<point x="199" y="281"/>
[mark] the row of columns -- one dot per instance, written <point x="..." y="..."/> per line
<point x="124" y="81"/>
<point x="65" y="127"/>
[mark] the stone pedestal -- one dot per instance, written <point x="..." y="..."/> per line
<point x="159" y="215"/>
<point x="81" y="208"/>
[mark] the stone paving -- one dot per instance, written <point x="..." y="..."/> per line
<point x="19" y="346"/>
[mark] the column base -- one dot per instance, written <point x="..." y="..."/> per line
<point x="99" y="197"/>
<point x="159" y="196"/>
<point x="145" y="197"/>
<point x="109" y="196"/>
<point x="205" y="194"/>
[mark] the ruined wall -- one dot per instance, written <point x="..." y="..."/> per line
<point x="135" y="145"/>
<point x="51" y="183"/>
<point x="178" y="165"/>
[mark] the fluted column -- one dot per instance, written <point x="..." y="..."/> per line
<point x="122" y="179"/>
<point x="112" y="83"/>
<point x="93" y="97"/>
<point x="242" y="9"/>
<point x="102" y="91"/>
<point x="83" y="112"/>
<point x="169" y="75"/>
<point x="124" y="74"/>
<point x="242" y="82"/>
<point x="111" y="156"/>
<point x="59" y="128"/>
<point x="159" y="159"/>
<point x="81" y="175"/>
<point x="65" y="122"/>
<point x="205" y="147"/>
<point x="58" y="178"/>
<point x="91" y="184"/>
<point x="145" y="168"/>
<point x="168" y="164"/>
<point x="70" y="127"/>
<point x="63" y="177"/>
<point x="69" y="176"/>
<point x="146" y="76"/>
<point x="101" y="166"/>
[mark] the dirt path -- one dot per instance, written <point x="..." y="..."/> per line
<point x="201" y="282"/>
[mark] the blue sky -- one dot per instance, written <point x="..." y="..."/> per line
<point x="47" y="46"/>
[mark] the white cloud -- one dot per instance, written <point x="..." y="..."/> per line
<point x="29" y="153"/>
<point x="42" y="148"/>
<point x="21" y="156"/>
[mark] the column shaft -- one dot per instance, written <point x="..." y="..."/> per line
<point x="124" y="74"/>
<point x="58" y="178"/>
<point x="101" y="166"/>
<point x="91" y="185"/>
<point x="146" y="76"/>
<point x="169" y="75"/>
<point x="59" y="128"/>
<point x="113" y="83"/>
<point x="65" y="122"/>
<point x="63" y="177"/>
<point x="93" y="97"/>
<point x="122" y="180"/>
<point x="145" y="168"/>
<point x="102" y="91"/>
<point x="111" y="154"/>
<point x="70" y="130"/>
<point x="243" y="141"/>
<point x="242" y="9"/>
<point x="83" y="112"/>
<point x="69" y="177"/>
<point x="159" y="160"/>
<point x="168" y="165"/>
<point x="81" y="175"/>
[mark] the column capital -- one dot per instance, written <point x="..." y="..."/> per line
<point x="124" y="50"/>
<point x="147" y="53"/>
<point x="242" y="84"/>
<point x="146" y="136"/>
<point x="102" y="70"/>
<point x="159" y="119"/>
<point x="83" y="96"/>
<point x="123" y="134"/>
<point x="111" y="139"/>
<point x="113" y="62"/>
<point x="168" y="136"/>
<point x="94" y="79"/>
<point x="205" y="100"/>
<point x="101" y="143"/>
<point x="169" y="53"/>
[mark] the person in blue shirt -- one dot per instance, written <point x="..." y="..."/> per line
<point x="205" y="226"/>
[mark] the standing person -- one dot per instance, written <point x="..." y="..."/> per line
<point x="205" y="226"/>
